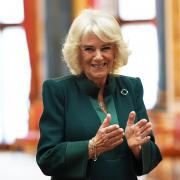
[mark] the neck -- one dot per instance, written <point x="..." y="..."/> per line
<point x="100" y="82"/>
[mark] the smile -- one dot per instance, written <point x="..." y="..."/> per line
<point x="99" y="65"/>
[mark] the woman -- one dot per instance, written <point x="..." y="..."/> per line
<point x="94" y="124"/>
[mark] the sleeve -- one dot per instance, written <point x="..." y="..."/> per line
<point x="151" y="155"/>
<point x="55" y="156"/>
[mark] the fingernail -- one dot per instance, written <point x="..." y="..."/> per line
<point x="132" y="114"/>
<point x="122" y="129"/>
<point x="117" y="126"/>
<point x="108" y="114"/>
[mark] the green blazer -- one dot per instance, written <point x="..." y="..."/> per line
<point x="69" y="120"/>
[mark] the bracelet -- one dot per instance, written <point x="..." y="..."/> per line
<point x="92" y="146"/>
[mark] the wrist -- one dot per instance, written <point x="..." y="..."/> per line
<point x="92" y="150"/>
<point x="136" y="151"/>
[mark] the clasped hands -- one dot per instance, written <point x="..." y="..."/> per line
<point x="109" y="136"/>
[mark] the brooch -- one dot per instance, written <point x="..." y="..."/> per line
<point x="124" y="92"/>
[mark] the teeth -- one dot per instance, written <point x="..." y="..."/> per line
<point x="99" y="65"/>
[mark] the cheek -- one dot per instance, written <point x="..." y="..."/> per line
<point x="84" y="64"/>
<point x="112" y="66"/>
<point x="84" y="59"/>
<point x="111" y="61"/>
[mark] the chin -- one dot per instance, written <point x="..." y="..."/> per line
<point x="100" y="76"/>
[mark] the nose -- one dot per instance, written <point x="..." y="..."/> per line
<point x="98" y="55"/>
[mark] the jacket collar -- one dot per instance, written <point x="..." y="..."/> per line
<point x="90" y="88"/>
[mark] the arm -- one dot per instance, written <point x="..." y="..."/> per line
<point x="150" y="153"/>
<point x="55" y="156"/>
<point x="139" y="134"/>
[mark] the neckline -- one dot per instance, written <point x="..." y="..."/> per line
<point x="91" y="89"/>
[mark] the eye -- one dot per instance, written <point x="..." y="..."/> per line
<point x="88" y="49"/>
<point x="106" y="48"/>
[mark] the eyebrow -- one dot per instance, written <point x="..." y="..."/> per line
<point x="84" y="46"/>
<point x="108" y="44"/>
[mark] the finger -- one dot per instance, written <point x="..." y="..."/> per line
<point x="131" y="118"/>
<point x="145" y="139"/>
<point x="111" y="128"/>
<point x="112" y="140"/>
<point x="116" y="143"/>
<point x="146" y="133"/>
<point x="106" y="121"/>
<point x="141" y="123"/>
<point x="142" y="126"/>
<point x="147" y="126"/>
<point x="118" y="132"/>
<point x="107" y="147"/>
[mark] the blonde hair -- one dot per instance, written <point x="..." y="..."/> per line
<point x="105" y="27"/>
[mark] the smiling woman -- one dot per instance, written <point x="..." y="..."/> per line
<point x="105" y="29"/>
<point x="94" y="124"/>
<point x="97" y="58"/>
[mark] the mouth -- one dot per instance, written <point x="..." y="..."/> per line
<point x="102" y="65"/>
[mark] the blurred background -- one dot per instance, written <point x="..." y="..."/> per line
<point x="32" y="33"/>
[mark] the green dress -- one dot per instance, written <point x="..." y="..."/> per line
<point x="70" y="119"/>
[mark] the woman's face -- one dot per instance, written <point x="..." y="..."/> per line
<point x="96" y="58"/>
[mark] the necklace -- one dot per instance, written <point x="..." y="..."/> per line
<point x="102" y="107"/>
<point x="101" y="100"/>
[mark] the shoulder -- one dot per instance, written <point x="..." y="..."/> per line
<point x="132" y="84"/>
<point x="128" y="80"/>
<point x="58" y="85"/>
<point x="59" y="81"/>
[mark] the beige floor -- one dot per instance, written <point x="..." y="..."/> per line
<point x="22" y="166"/>
<point x="19" y="166"/>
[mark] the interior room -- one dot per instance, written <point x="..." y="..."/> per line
<point x="32" y="33"/>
